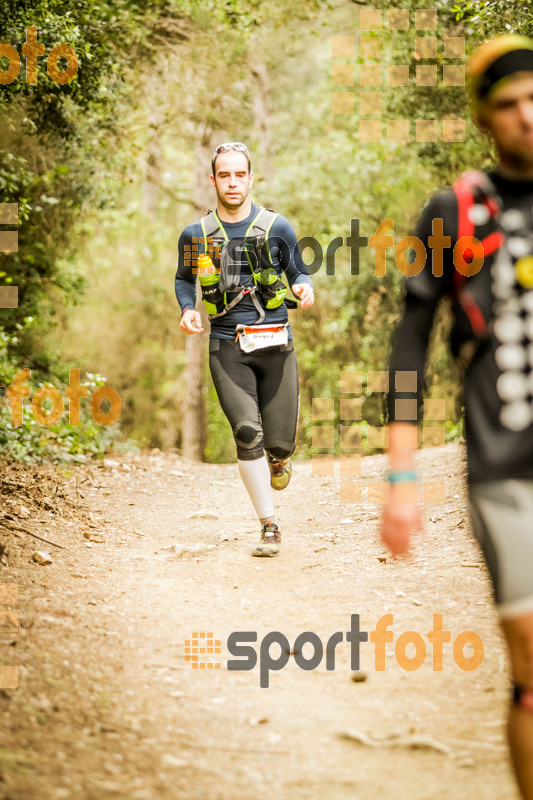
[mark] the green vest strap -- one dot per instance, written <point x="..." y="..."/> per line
<point x="211" y="224"/>
<point x="268" y="231"/>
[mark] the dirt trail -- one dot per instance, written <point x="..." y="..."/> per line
<point x="107" y="706"/>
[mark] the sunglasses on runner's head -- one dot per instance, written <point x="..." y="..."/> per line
<point x="224" y="148"/>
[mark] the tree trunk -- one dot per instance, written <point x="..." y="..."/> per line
<point x="194" y="423"/>
<point x="262" y="118"/>
<point x="149" y="189"/>
<point x="194" y="430"/>
<point x="157" y="101"/>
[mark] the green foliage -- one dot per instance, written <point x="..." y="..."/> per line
<point x="58" y="143"/>
<point x="220" y="448"/>
<point x="454" y="431"/>
<point x="489" y="17"/>
<point x="61" y="443"/>
<point x="101" y="33"/>
<point x="31" y="442"/>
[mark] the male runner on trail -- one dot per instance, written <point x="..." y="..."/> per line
<point x="251" y="352"/>
<point x="493" y="320"/>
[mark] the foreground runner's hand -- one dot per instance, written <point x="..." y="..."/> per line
<point x="398" y="522"/>
<point x="305" y="293"/>
<point x="191" y="322"/>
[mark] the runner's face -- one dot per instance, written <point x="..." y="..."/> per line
<point x="508" y="116"/>
<point x="232" y="181"/>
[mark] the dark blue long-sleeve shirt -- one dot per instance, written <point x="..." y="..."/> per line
<point x="286" y="258"/>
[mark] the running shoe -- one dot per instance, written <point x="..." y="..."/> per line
<point x="270" y="541"/>
<point x="280" y="473"/>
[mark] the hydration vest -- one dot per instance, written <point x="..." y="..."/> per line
<point x="479" y="216"/>
<point x="502" y="303"/>
<point x="266" y="290"/>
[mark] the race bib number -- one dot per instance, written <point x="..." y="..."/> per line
<point x="255" y="337"/>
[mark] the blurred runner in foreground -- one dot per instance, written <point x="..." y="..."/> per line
<point x="491" y="286"/>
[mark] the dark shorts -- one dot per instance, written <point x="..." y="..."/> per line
<point x="502" y="521"/>
<point x="258" y="393"/>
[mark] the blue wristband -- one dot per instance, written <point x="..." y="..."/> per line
<point x="403" y="476"/>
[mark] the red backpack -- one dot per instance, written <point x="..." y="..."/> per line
<point x="476" y="198"/>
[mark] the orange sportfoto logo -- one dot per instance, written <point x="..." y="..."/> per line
<point x="31" y="49"/>
<point x="247" y="658"/>
<point x="193" y="651"/>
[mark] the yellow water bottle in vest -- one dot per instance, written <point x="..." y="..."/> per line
<point x="209" y="278"/>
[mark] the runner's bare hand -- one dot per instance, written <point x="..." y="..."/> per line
<point x="305" y="293"/>
<point x="191" y="322"/>
<point x="398" y="522"/>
